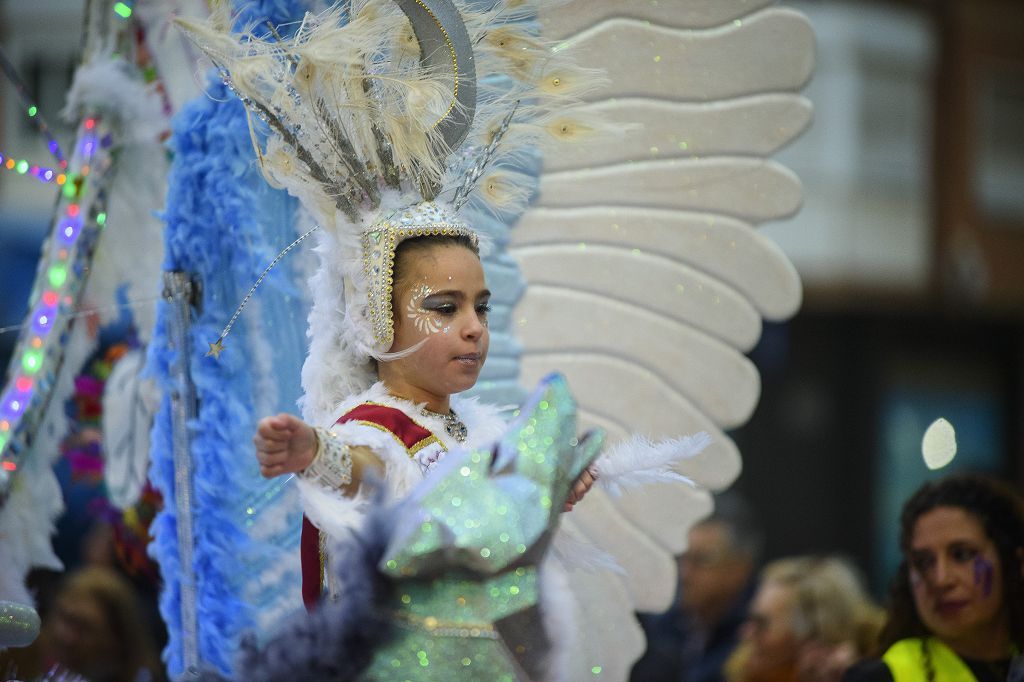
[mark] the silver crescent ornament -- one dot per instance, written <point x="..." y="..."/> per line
<point x="445" y="47"/>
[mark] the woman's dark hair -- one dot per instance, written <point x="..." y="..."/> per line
<point x="415" y="246"/>
<point x="1000" y="510"/>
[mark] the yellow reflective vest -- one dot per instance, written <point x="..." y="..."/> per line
<point x="906" y="662"/>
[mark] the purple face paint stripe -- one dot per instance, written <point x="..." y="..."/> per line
<point x="983" y="572"/>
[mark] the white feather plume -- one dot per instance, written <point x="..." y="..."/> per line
<point x="639" y="461"/>
<point x="111" y="87"/>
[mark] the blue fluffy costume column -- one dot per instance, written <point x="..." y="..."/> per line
<point x="223" y="226"/>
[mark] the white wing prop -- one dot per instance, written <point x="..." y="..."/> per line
<point x="647" y="277"/>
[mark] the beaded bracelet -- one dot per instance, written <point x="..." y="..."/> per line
<point x="332" y="464"/>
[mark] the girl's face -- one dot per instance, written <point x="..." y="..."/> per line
<point x="442" y="301"/>
<point x="956" y="576"/>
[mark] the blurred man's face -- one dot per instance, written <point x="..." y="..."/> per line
<point x="768" y="631"/>
<point x="711" y="572"/>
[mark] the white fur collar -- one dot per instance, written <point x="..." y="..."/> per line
<point x="483" y="421"/>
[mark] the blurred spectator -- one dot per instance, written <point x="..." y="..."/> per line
<point x="95" y="629"/>
<point x="692" y="640"/>
<point x="956" y="608"/>
<point x="809" y="621"/>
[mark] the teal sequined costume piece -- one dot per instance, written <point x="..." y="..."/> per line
<point x="465" y="549"/>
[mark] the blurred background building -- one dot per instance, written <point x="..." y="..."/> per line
<point x="910" y="245"/>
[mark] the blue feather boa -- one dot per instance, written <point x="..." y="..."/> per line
<point x="223" y="226"/>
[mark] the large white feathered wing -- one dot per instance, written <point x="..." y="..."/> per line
<point x="648" y="279"/>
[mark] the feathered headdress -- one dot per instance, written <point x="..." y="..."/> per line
<point x="385" y="118"/>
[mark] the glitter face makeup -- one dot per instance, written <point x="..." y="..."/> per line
<point x="955" y="576"/>
<point x="983" y="572"/>
<point x="426" y="321"/>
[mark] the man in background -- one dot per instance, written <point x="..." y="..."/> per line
<point x="692" y="640"/>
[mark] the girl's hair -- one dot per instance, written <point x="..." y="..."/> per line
<point x="414" y="247"/>
<point x="830" y="604"/>
<point x="1000" y="510"/>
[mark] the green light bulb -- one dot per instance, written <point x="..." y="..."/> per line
<point x="58" y="274"/>
<point x="32" y="361"/>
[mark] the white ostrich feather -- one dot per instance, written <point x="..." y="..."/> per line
<point x="111" y="87"/>
<point x="638" y="461"/>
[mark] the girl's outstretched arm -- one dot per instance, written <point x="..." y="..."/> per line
<point x="287" y="445"/>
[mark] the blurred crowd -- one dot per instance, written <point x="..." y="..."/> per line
<point x="955" y="611"/>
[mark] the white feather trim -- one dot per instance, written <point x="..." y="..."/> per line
<point x="110" y="86"/>
<point x="129" y="405"/>
<point x="483" y="422"/>
<point x="559" y="616"/>
<point x="26" y="524"/>
<point x="638" y="461"/>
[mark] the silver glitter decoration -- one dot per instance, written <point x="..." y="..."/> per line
<point x="178" y="291"/>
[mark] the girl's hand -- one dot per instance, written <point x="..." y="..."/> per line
<point x="284" y="445"/>
<point x="580" y="488"/>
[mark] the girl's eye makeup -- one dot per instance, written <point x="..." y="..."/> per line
<point x="442" y="308"/>
<point x="424" y="312"/>
<point x="481" y="310"/>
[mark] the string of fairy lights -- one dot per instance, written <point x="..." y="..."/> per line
<point x="79" y="216"/>
<point x="41" y="173"/>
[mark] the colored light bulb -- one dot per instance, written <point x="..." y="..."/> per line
<point x="22" y="166"/>
<point x="32" y="361"/>
<point x="69" y="230"/>
<point x="122" y="10"/>
<point x="57" y="274"/>
<point x="43" y="320"/>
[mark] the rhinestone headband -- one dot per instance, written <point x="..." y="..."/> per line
<point x="379" y="244"/>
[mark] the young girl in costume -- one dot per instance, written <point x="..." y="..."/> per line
<point x="403" y="424"/>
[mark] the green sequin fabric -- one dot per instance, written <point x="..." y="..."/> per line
<point x="465" y="550"/>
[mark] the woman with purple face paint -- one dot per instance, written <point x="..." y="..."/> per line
<point x="956" y="607"/>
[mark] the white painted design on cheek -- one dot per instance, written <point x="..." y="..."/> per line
<point x="426" y="321"/>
